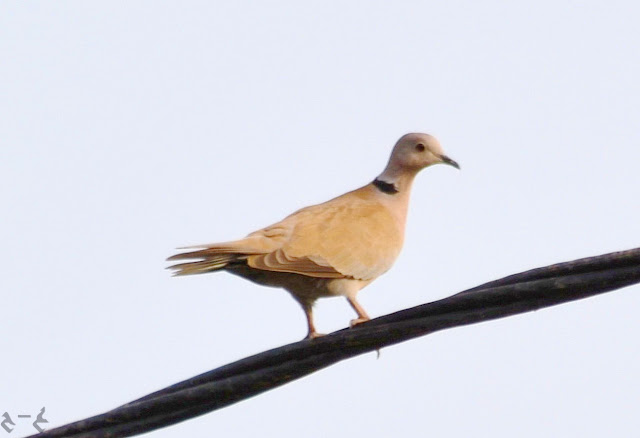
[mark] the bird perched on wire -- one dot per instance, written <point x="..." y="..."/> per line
<point x="331" y="249"/>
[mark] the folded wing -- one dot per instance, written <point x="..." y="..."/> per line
<point x="348" y="237"/>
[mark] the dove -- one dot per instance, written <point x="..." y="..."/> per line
<point x="331" y="249"/>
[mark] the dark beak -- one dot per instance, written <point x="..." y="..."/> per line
<point x="449" y="161"/>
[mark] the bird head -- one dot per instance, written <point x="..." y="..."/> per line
<point x="416" y="151"/>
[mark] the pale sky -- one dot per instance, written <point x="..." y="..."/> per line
<point x="129" y="128"/>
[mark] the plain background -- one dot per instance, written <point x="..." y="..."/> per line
<point x="128" y="128"/>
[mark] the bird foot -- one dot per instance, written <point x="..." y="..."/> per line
<point x="355" y="322"/>
<point x="314" y="335"/>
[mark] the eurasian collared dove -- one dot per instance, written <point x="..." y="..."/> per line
<point x="331" y="249"/>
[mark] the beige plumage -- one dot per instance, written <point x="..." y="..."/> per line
<point x="331" y="249"/>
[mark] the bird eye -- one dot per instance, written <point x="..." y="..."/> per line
<point x="420" y="147"/>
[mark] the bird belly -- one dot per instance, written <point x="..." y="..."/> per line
<point x="302" y="287"/>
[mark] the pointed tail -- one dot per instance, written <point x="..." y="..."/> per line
<point x="210" y="259"/>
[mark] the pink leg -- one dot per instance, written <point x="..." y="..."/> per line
<point x="362" y="315"/>
<point x="308" y="311"/>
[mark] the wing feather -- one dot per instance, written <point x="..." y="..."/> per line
<point x="352" y="236"/>
<point x="356" y="239"/>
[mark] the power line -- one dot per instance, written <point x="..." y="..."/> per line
<point x="221" y="387"/>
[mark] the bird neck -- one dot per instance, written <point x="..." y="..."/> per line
<point x="394" y="186"/>
<point x="395" y="180"/>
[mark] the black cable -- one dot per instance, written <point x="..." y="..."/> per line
<point x="221" y="387"/>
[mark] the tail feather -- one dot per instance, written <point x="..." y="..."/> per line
<point x="209" y="263"/>
<point x="215" y="256"/>
<point x="209" y="253"/>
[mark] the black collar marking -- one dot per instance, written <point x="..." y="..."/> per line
<point x="385" y="187"/>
